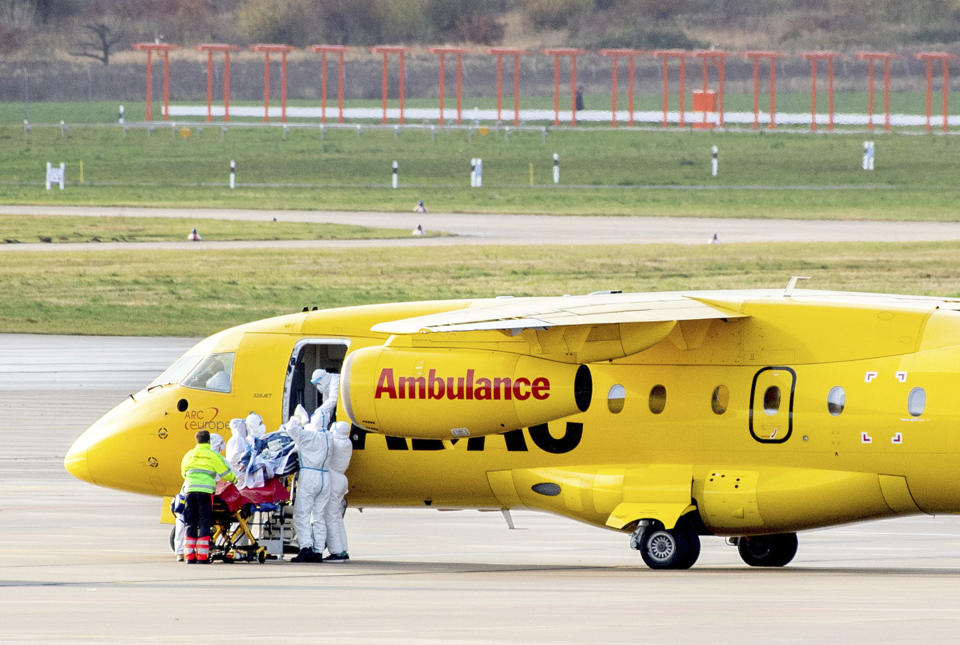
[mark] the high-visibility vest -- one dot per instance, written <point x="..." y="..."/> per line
<point x="200" y="468"/>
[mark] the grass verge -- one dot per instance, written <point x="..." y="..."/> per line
<point x="57" y="229"/>
<point x="601" y="172"/>
<point x="193" y="294"/>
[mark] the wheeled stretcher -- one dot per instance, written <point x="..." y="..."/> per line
<point x="246" y="521"/>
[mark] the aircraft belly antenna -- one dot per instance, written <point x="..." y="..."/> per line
<point x="788" y="292"/>
<point x="508" y="518"/>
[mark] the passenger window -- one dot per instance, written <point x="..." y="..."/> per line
<point x="214" y="373"/>
<point x="771" y="400"/>
<point x="720" y="399"/>
<point x="658" y="399"/>
<point x="616" y="398"/>
<point x="916" y="401"/>
<point x="836" y="400"/>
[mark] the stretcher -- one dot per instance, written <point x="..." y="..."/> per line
<point x="245" y="519"/>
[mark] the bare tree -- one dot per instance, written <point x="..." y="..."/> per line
<point x="98" y="43"/>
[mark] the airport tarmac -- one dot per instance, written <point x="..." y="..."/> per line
<point x="80" y="563"/>
<point x="511" y="230"/>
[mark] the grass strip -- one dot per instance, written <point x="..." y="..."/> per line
<point x="194" y="293"/>
<point x="58" y="229"/>
<point x="642" y="173"/>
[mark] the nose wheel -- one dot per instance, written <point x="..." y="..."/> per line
<point x="661" y="548"/>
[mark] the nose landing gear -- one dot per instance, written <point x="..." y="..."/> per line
<point x="661" y="548"/>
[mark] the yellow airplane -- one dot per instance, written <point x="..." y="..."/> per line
<point x="667" y="416"/>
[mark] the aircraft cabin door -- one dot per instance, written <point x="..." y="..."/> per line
<point x="771" y="404"/>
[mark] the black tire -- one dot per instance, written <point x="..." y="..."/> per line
<point x="768" y="550"/>
<point x="173" y="535"/>
<point x="676" y="548"/>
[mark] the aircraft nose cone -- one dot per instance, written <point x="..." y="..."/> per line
<point x="76" y="464"/>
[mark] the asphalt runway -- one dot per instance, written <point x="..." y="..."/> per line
<point x="83" y="564"/>
<point x="513" y="230"/>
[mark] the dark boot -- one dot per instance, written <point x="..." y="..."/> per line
<point x="305" y="555"/>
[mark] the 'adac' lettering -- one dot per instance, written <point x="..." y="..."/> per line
<point x="514" y="439"/>
<point x="460" y="388"/>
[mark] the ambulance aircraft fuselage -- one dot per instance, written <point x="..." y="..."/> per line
<point x="667" y="416"/>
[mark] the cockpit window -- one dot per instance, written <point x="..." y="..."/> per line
<point x="176" y="372"/>
<point x="214" y="373"/>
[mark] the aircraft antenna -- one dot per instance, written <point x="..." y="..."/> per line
<point x="788" y="292"/>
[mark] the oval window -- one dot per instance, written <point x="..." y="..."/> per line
<point x="615" y="398"/>
<point x="916" y="401"/>
<point x="720" y="399"/>
<point x="771" y="400"/>
<point x="836" y="400"/>
<point x="658" y="399"/>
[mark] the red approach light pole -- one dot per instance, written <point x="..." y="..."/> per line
<point x="334" y="49"/>
<point x="158" y="47"/>
<point x="944" y="58"/>
<point x="266" y="49"/>
<point x="500" y="52"/>
<point x="718" y="60"/>
<point x="756" y="56"/>
<point x="226" y="49"/>
<point x="616" y="54"/>
<point x="814" y="57"/>
<point x="557" y="53"/>
<point x="380" y="49"/>
<point x="666" y="55"/>
<point x="885" y="57"/>
<point x="442" y="52"/>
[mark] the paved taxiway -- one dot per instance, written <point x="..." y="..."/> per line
<point x="475" y="229"/>
<point x="82" y="564"/>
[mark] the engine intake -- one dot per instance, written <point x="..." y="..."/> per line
<point x="443" y="394"/>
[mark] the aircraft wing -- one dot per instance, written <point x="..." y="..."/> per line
<point x="600" y="326"/>
<point x="515" y="314"/>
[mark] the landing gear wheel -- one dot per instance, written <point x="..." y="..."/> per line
<point x="173" y="534"/>
<point x="768" y="550"/>
<point x="676" y="548"/>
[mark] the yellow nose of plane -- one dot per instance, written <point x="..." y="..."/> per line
<point x="76" y="463"/>
<point x="130" y="448"/>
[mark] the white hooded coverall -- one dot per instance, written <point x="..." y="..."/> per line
<point x="328" y="385"/>
<point x="339" y="460"/>
<point x="313" y="485"/>
<point x="236" y="448"/>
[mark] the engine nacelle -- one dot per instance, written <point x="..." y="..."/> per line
<point x="444" y="394"/>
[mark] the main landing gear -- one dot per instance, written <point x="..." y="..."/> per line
<point x="767" y="550"/>
<point x="661" y="548"/>
<point x="679" y="547"/>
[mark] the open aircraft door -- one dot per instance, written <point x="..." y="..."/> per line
<point x="771" y="404"/>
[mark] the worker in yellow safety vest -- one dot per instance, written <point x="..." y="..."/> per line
<point x="200" y="469"/>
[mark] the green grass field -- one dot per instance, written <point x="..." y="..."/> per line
<point x="628" y="173"/>
<point x="195" y="293"/>
<point x="58" y="229"/>
<point x="602" y="171"/>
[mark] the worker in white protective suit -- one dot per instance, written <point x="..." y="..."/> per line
<point x="341" y="449"/>
<point x="237" y="448"/>
<point x="313" y="489"/>
<point x="255" y="425"/>
<point x="178" y="506"/>
<point x="328" y="385"/>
